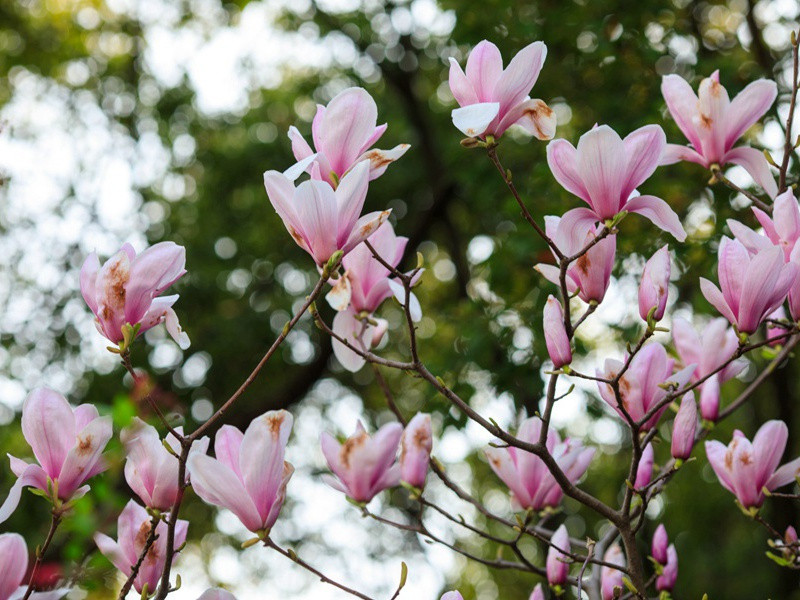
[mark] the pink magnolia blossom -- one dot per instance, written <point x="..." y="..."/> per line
<point x="249" y="474"/>
<point x="321" y="220"/>
<point x="216" y="594"/>
<point x="452" y="595"/>
<point x="557" y="563"/>
<point x="415" y="450"/>
<point x="364" y="465"/>
<point x="67" y="443"/>
<point x="658" y="548"/>
<point x="684" y="428"/>
<point x="640" y="386"/>
<point x="782" y="229"/>
<point x="746" y="468"/>
<point x="150" y="469"/>
<point x="537" y="593"/>
<point x="126" y="290"/>
<point x="654" y="287"/>
<point x="531" y="484"/>
<point x="492" y="99"/>
<point x="605" y="170"/>
<point x="666" y="581"/>
<point x="644" y="471"/>
<point x="555" y="336"/>
<point x="610" y="578"/>
<point x="776" y="330"/>
<point x="709" y="350"/>
<point x="343" y="133"/>
<point x="363" y="287"/>
<point x="752" y="286"/>
<point x="589" y="275"/>
<point x="713" y="124"/>
<point x="133" y="528"/>
<point x="709" y="399"/>
<point x="14" y="567"/>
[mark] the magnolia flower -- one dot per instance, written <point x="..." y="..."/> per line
<point x="684" y="428"/>
<point x="453" y="595"/>
<point x="557" y="565"/>
<point x="321" y="220"/>
<point x="782" y="229"/>
<point x="746" y="468"/>
<point x="492" y="99"/>
<point x="644" y="472"/>
<point x="610" y="578"/>
<point x="640" y="387"/>
<point x="709" y="350"/>
<point x="658" y="548"/>
<point x="752" y="286"/>
<point x="605" y="170"/>
<point x="364" y="465"/>
<point x="555" y="335"/>
<point x="709" y="399"/>
<point x="343" y="133"/>
<point x="415" y="450"/>
<point x="216" y="594"/>
<point x="713" y="124"/>
<point x="150" y="469"/>
<point x="126" y="290"/>
<point x="654" y="287"/>
<point x="537" y="593"/>
<point x="363" y="287"/>
<point x="666" y="581"/>
<point x="14" y="567"/>
<point x="530" y="481"/>
<point x="133" y="529"/>
<point x="67" y="443"/>
<point x="590" y="274"/>
<point x="248" y="475"/>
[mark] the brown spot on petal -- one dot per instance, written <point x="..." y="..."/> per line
<point x="274" y="423"/>
<point x="706" y="121"/>
<point x="377" y="158"/>
<point x="745" y="458"/>
<point x="584" y="264"/>
<point x="85" y="445"/>
<point x="536" y="114"/>
<point x="351" y="445"/>
<point x="297" y="237"/>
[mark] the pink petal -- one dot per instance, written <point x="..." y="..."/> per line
<point x="460" y="86"/>
<point x="13" y="563"/>
<point x="674" y="153"/>
<point x="643" y="150"/>
<point x="682" y="104"/>
<point x="48" y="425"/>
<point x="756" y="164"/>
<point x="484" y="67"/>
<point x="601" y="162"/>
<point x="784" y="475"/>
<point x="518" y="78"/>
<point x="534" y="116"/>
<point x="347" y="327"/>
<point x="711" y="121"/>
<point x="84" y="456"/>
<point x="768" y="446"/>
<point x="348" y="122"/>
<point x="747" y="237"/>
<point x="365" y="227"/>
<point x="350" y="196"/>
<point x="89" y="270"/>
<point x="317" y="211"/>
<point x="716" y="452"/>
<point x="562" y="159"/>
<point x="151" y="272"/>
<point x="659" y="212"/>
<point x="379" y="160"/>
<point x="716" y="299"/>
<point x="747" y="108"/>
<point x="472" y="120"/>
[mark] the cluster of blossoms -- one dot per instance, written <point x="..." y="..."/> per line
<point x="358" y="257"/>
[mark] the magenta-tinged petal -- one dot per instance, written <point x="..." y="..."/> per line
<point x="611" y="578"/>
<point x="710" y="123"/>
<point x="644" y="471"/>
<point x="350" y="196"/>
<point x="518" y="78"/>
<point x="784" y="475"/>
<point x="768" y="446"/>
<point x="654" y="286"/>
<point x="666" y="581"/>
<point x="300" y="147"/>
<point x="747" y="237"/>
<point x="687" y="342"/>
<point x="501" y="463"/>
<point x="755" y="163"/>
<point x="452" y="595"/>
<point x="682" y="104"/>
<point x="13" y="563"/>
<point x="747" y="108"/>
<point x="744" y="475"/>
<point x="759" y="284"/>
<point x="474" y="119"/>
<point x="89" y="270"/>
<point x="460" y="86"/>
<point x="716" y="453"/>
<point x="415" y="450"/>
<point x="281" y="193"/>
<point x="658" y="549"/>
<point x="280" y="495"/>
<point x="709" y="399"/>
<point x="643" y="150"/>
<point x="534" y="116"/>
<point x="151" y="272"/>
<point x="675" y="153"/>
<point x="31" y="476"/>
<point x="558" y="346"/>
<point x="349" y="121"/>
<point x="113" y="552"/>
<point x="317" y="208"/>
<point x="82" y="459"/>
<point x="659" y="212"/>
<point x="48" y="425"/>
<point x="484" y="67"/>
<point x="557" y="564"/>
<point x="562" y="158"/>
<point x="365" y="227"/>
<point x="601" y="163"/>
<point x="218" y="485"/>
<point x="684" y="428"/>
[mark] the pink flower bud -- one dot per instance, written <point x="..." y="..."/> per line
<point x="453" y="595"/>
<point x="133" y="528"/>
<point x="67" y="443"/>
<point x="790" y="535"/>
<point x="415" y="450"/>
<point x="779" y="314"/>
<point x="537" y="593"/>
<point x="746" y="468"/>
<point x="556" y="564"/>
<point x="610" y="578"/>
<point x="555" y="336"/>
<point x="684" y="428"/>
<point x="364" y="465"/>
<point x="126" y="290"/>
<point x="644" y="472"/>
<point x="249" y="474"/>
<point x="709" y="399"/>
<point x="666" y="581"/>
<point x="654" y="287"/>
<point x="658" y="549"/>
<point x="216" y="594"/>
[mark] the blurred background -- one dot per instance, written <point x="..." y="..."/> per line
<point x="145" y="120"/>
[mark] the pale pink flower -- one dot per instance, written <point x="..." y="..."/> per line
<point x="557" y="563"/>
<point x="746" y="468"/>
<point x="323" y="221"/>
<point x="654" y="286"/>
<point x="713" y="124"/>
<point x="343" y="133"/>
<point x="605" y="170"/>
<point x="452" y="595"/>
<point x="644" y="472"/>
<point x="709" y="398"/>
<point x="658" y="548"/>
<point x="415" y="450"/>
<point x="364" y="465"/>
<point x="752" y="286"/>
<point x="684" y="428"/>
<point x="709" y="349"/>
<point x="537" y="593"/>
<point x="126" y="290"/>
<point x="133" y="528"/>
<point x="14" y="568"/>
<point x="555" y="335"/>
<point x="640" y="387"/>
<point x="610" y="578"/>
<point x="249" y="474"/>
<point x="150" y="469"/>
<point x="782" y="229"/>
<point x="531" y="484"/>
<point x="492" y="99"/>
<point x="67" y="443"/>
<point x="666" y="581"/>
